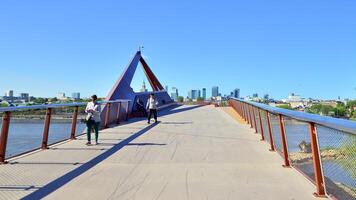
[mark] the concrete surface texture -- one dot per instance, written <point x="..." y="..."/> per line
<point x="192" y="153"/>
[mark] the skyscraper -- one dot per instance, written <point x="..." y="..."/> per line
<point x="166" y="88"/>
<point x="24" y="96"/>
<point x="75" y="95"/>
<point x="193" y="94"/>
<point x="237" y="93"/>
<point x="204" y="93"/>
<point x="174" y="94"/>
<point x="9" y="93"/>
<point x="215" y="91"/>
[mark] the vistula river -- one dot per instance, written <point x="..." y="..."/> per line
<point x="25" y="135"/>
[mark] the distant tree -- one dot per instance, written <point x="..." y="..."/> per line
<point x="325" y="109"/>
<point x="180" y="99"/>
<point x="340" y="110"/>
<point x="200" y="99"/>
<point x="53" y="99"/>
<point x="40" y="100"/>
<point x="285" y="106"/>
<point x="4" y="105"/>
<point x="315" y="108"/>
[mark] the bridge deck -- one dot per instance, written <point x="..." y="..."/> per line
<point x="201" y="153"/>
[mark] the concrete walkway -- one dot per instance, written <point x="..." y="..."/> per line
<point x="199" y="153"/>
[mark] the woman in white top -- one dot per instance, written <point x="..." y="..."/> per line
<point x="93" y="118"/>
<point x="152" y="107"/>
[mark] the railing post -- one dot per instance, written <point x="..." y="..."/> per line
<point x="4" y="133"/>
<point x="262" y="131"/>
<point x="127" y="110"/>
<point x="284" y="141"/>
<point x="250" y="115"/>
<point x="320" y="190"/>
<point x="107" y="116"/>
<point x="245" y="112"/>
<point x="47" y="122"/>
<point x="254" y="119"/>
<point x="118" y="113"/>
<point x="270" y="131"/>
<point x="247" y="116"/>
<point x="241" y="110"/>
<point x="74" y="123"/>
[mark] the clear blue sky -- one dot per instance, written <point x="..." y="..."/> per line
<point x="276" y="47"/>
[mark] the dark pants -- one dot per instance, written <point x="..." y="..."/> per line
<point x="154" y="112"/>
<point x="92" y="124"/>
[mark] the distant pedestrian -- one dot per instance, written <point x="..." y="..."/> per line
<point x="93" y="118"/>
<point x="152" y="107"/>
<point x="140" y="107"/>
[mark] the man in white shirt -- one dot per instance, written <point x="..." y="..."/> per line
<point x="93" y="118"/>
<point x="152" y="107"/>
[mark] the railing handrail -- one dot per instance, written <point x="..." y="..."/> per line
<point x="335" y="123"/>
<point x="59" y="105"/>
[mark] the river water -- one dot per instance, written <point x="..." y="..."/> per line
<point x="25" y="136"/>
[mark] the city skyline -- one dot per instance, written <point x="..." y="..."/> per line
<point x="261" y="47"/>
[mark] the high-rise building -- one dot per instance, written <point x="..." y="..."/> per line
<point x="193" y="94"/>
<point x="174" y="94"/>
<point x="143" y="88"/>
<point x="24" y="96"/>
<point x="9" y="93"/>
<point x="204" y="93"/>
<point x="61" y="95"/>
<point x="166" y="88"/>
<point x="236" y="93"/>
<point x="76" y="95"/>
<point x="215" y="91"/>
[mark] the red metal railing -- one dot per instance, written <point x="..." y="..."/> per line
<point x="112" y="106"/>
<point x="243" y="108"/>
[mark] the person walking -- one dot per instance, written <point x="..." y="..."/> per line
<point x="152" y="107"/>
<point x="93" y="118"/>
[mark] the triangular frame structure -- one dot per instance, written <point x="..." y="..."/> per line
<point x="123" y="90"/>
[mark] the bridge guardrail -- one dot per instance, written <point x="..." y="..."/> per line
<point x="70" y="114"/>
<point x="321" y="148"/>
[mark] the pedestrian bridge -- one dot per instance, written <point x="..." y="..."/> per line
<point x="194" y="152"/>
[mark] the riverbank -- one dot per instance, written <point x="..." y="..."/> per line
<point x="39" y="119"/>
<point x="328" y="154"/>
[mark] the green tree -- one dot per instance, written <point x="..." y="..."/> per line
<point x="40" y="100"/>
<point x="200" y="99"/>
<point x="325" y="109"/>
<point x="285" y="106"/>
<point x="180" y="99"/>
<point x="4" y="105"/>
<point x="340" y="110"/>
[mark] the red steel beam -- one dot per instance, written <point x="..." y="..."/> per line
<point x="4" y="134"/>
<point x="118" y="113"/>
<point x="270" y="131"/>
<point x="254" y="119"/>
<point x="74" y="123"/>
<point x="250" y="115"/>
<point x="107" y="116"/>
<point x="319" y="181"/>
<point x="127" y="110"/>
<point x="47" y="122"/>
<point x="262" y="131"/>
<point x="284" y="141"/>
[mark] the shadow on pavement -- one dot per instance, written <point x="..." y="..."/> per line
<point x="59" y="182"/>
